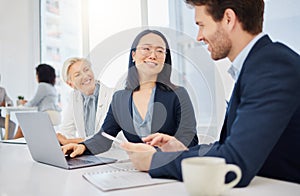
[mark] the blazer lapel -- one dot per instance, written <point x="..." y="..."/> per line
<point x="130" y="126"/>
<point x="122" y="111"/>
<point x="235" y="97"/>
<point x="159" y="111"/>
<point x="103" y="104"/>
<point x="79" y="120"/>
<point x="232" y="107"/>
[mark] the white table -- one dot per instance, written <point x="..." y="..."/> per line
<point x="10" y="109"/>
<point x="20" y="175"/>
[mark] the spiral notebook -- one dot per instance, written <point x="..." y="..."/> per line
<point x="121" y="176"/>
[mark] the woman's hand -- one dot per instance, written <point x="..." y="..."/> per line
<point x="63" y="140"/>
<point x="73" y="149"/>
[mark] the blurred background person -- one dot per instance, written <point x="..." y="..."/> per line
<point x="5" y="100"/>
<point x="46" y="96"/>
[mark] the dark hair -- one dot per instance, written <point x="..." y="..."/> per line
<point x="45" y="73"/>
<point x="249" y="13"/>
<point x="163" y="79"/>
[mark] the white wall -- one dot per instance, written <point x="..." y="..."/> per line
<point x="282" y="19"/>
<point x="19" y="44"/>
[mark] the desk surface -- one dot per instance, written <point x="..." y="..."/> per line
<point x="20" y="175"/>
<point x="18" y="108"/>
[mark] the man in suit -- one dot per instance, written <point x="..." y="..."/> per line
<point x="261" y="131"/>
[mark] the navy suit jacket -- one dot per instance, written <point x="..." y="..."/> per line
<point x="173" y="114"/>
<point x="261" y="131"/>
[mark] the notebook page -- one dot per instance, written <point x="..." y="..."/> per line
<point x="121" y="176"/>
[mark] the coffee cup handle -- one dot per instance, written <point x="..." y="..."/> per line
<point x="237" y="171"/>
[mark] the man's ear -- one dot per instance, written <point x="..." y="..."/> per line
<point x="229" y="19"/>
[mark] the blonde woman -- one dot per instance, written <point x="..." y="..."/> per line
<point x="88" y="103"/>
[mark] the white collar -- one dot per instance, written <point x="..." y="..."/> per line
<point x="238" y="62"/>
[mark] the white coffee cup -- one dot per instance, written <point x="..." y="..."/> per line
<point x="206" y="175"/>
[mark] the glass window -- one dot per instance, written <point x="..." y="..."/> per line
<point x="158" y="13"/>
<point x="107" y="20"/>
<point x="61" y="36"/>
<point x="103" y="32"/>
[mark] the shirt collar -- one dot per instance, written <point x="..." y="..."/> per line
<point x="95" y="94"/>
<point x="238" y="62"/>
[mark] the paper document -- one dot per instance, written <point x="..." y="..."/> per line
<point x="121" y="176"/>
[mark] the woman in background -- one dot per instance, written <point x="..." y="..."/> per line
<point x="5" y="100"/>
<point x="46" y="96"/>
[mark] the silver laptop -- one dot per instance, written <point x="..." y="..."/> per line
<point x="44" y="146"/>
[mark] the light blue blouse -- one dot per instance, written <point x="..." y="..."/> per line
<point x="143" y="127"/>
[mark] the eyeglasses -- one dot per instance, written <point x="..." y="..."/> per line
<point x="147" y="51"/>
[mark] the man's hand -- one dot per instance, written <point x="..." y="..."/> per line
<point x="74" y="149"/>
<point x="165" y="142"/>
<point x="139" y="154"/>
